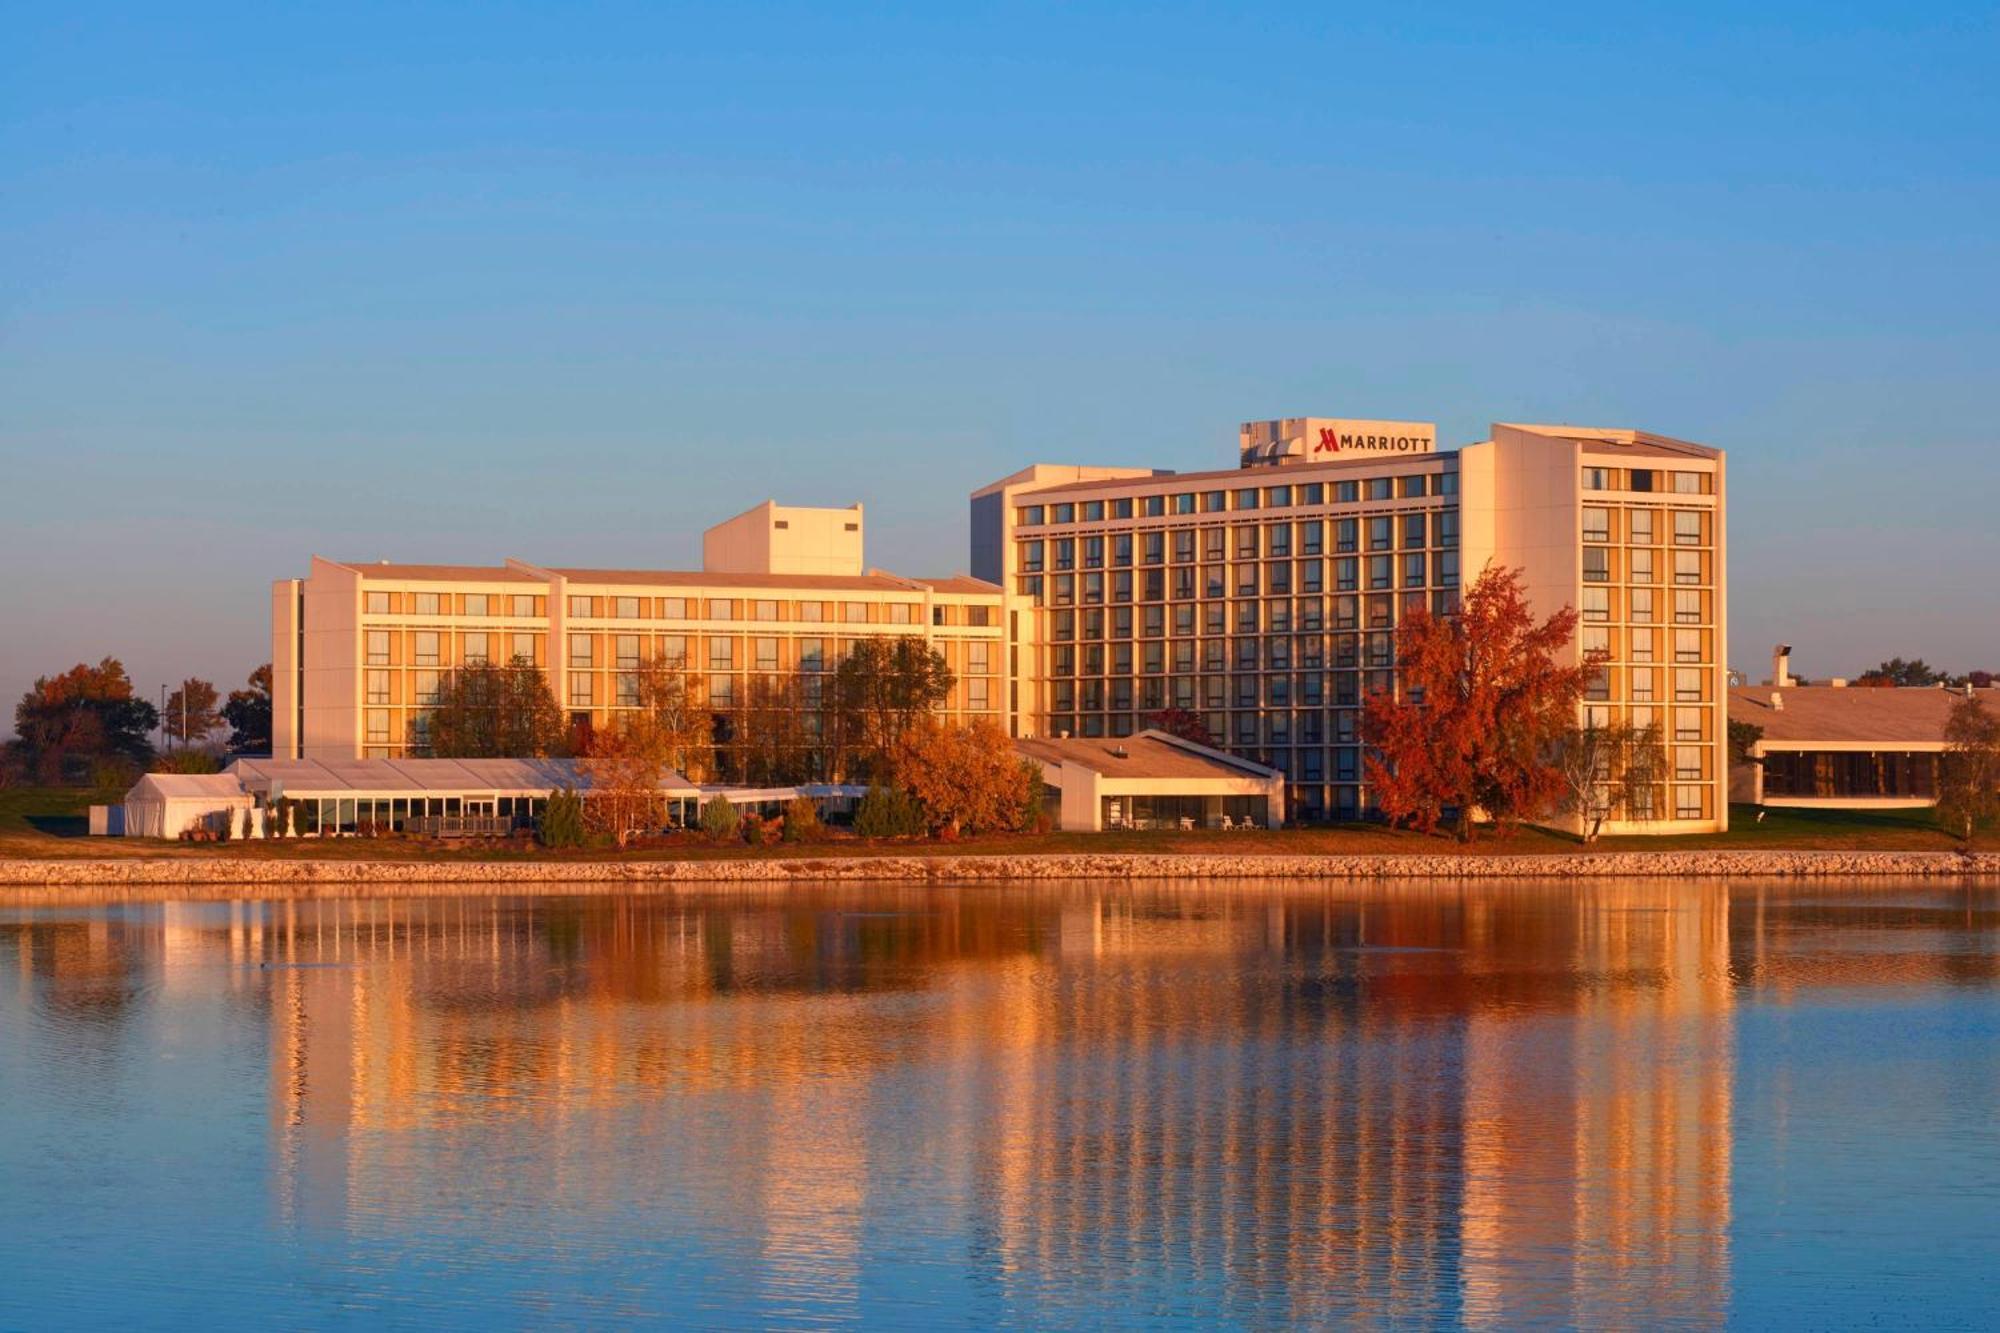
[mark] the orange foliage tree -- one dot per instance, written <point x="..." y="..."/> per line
<point x="1486" y="700"/>
<point x="965" y="778"/>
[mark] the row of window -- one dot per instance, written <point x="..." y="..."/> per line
<point x="479" y="647"/>
<point x="1347" y="573"/>
<point x="1239" y="499"/>
<point x="1639" y="564"/>
<point x="1642" y="606"/>
<point x="1121" y="550"/>
<point x="523" y="606"/>
<point x="1641" y="527"/>
<point x="1246" y="728"/>
<point x="1648" y="479"/>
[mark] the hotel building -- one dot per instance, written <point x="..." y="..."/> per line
<point x="1264" y="599"/>
<point x="358" y="650"/>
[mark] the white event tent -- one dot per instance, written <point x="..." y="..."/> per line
<point x="165" y="805"/>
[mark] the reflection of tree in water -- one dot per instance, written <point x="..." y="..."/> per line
<point x="1500" y="1107"/>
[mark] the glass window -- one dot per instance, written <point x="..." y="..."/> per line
<point x="378" y="726"/>
<point x="1032" y="515"/>
<point x="854" y="613"/>
<point x="579" y="650"/>
<point x="1597" y="479"/>
<point x="476" y="604"/>
<point x="1641" y="521"/>
<point x="674" y="608"/>
<point x="1687" y="684"/>
<point x="521" y="604"/>
<point x="427" y="647"/>
<point x="721" y="654"/>
<point x="378" y="603"/>
<point x="1062" y="513"/>
<point x="625" y="652"/>
<point x="1412" y="488"/>
<point x="1691" y="483"/>
<point x="1381" y="531"/>
<point x="378" y="647"/>
<point x="1687" y="527"/>
<point x="430" y="604"/>
<point x="722" y="608"/>
<point x="522" y="648"/>
<point x="580" y="607"/>
<point x="1093" y="511"/>
<point x="478" y="648"/>
<point x="1596" y="604"/>
<point x="767" y="654"/>
<point x="1154" y="506"/>
<point x="1381" y="488"/>
<point x="1687" y="566"/>
<point x="1596" y="564"/>
<point x="625" y="608"/>
<point x="378" y="687"/>
<point x="1596" y="524"/>
<point x="579" y="689"/>
<point x="812" y="654"/>
<point x="674" y="650"/>
<point x="427" y="686"/>
<point x="815" y="612"/>
<point x="1346" y="492"/>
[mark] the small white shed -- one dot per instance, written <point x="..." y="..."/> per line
<point x="164" y="805"/>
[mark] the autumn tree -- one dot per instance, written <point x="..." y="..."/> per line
<point x="624" y="768"/>
<point x="967" y="779"/>
<point x="770" y="735"/>
<point x="1485" y="698"/>
<point x="1609" y="771"/>
<point x="881" y="688"/>
<point x="671" y="698"/>
<point x="191" y="712"/>
<point x="248" y="713"/>
<point x="67" y="723"/>
<point x="1969" y="768"/>
<point x="489" y="711"/>
<point x="1181" y="722"/>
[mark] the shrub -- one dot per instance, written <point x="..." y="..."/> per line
<point x="801" y="820"/>
<point x="1034" y="812"/>
<point x="888" y="812"/>
<point x="718" y="818"/>
<point x="562" y="819"/>
<point x="753" y="831"/>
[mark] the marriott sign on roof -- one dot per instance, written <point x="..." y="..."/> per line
<point x="1332" y="440"/>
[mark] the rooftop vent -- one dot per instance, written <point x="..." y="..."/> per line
<point x="1777" y="702"/>
<point x="1120" y="752"/>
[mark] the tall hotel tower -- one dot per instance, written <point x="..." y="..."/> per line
<point x="1265" y="598"/>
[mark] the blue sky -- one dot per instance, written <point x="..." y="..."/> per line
<point x="572" y="282"/>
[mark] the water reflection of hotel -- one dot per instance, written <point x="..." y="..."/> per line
<point x="1384" y="1107"/>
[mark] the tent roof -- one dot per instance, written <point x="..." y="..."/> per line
<point x="422" y="776"/>
<point x="185" y="786"/>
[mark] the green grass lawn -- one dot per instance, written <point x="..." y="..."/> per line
<point x="39" y="822"/>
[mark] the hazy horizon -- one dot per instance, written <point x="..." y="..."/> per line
<point x="442" y="284"/>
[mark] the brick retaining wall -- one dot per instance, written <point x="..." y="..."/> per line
<point x="305" y="878"/>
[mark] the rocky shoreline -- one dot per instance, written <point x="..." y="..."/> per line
<point x="275" y="878"/>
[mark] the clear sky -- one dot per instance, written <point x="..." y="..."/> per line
<point x="570" y="282"/>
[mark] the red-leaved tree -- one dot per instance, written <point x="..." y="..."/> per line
<point x="1486" y="698"/>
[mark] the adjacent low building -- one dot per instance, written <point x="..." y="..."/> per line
<point x="449" y="797"/>
<point x="1154" y="780"/>
<point x="1843" y="747"/>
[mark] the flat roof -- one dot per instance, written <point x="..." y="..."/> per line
<point x="422" y="776"/>
<point x="387" y="569"/>
<point x="1849" y="713"/>
<point x="1150" y="754"/>
<point x="1261" y="474"/>
<point x="873" y="581"/>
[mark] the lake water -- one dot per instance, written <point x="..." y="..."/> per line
<point x="1642" y="1105"/>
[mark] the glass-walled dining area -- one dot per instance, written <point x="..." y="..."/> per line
<point x="1183" y="812"/>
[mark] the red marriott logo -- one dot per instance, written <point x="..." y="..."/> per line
<point x="1329" y="441"/>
